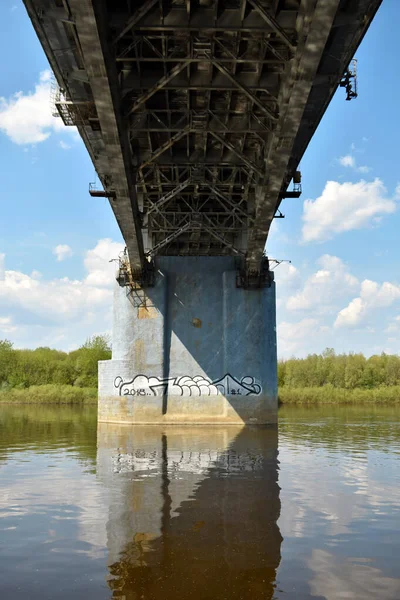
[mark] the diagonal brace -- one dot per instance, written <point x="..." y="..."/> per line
<point x="247" y="92"/>
<point x="272" y="23"/>
<point x="168" y="239"/>
<point x="167" y="197"/>
<point x="232" y="148"/>
<point x="175" y="138"/>
<point x="159" y="85"/>
<point x="229" y="201"/>
<point x="139" y="14"/>
<point x="221" y="239"/>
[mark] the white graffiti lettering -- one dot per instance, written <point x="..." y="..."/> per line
<point x="141" y="385"/>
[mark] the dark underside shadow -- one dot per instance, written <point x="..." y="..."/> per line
<point x="216" y="503"/>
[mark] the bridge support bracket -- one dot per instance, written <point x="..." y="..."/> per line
<point x="136" y="278"/>
<point x="251" y="278"/>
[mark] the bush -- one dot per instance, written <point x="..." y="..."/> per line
<point x="49" y="394"/>
<point x="329" y="394"/>
<point x="21" y="369"/>
<point x="342" y="371"/>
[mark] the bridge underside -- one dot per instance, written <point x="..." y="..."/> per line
<point x="196" y="113"/>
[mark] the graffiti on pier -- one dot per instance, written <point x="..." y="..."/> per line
<point x="141" y="385"/>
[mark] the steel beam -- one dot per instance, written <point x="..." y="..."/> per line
<point x="221" y="239"/>
<point x="239" y="154"/>
<point x="156" y="206"/>
<point x="170" y="238"/>
<point x="248" y="93"/>
<point x="272" y="23"/>
<point x="168" y="144"/>
<point x="158" y="86"/>
<point x="139" y="14"/>
<point x="229" y="201"/>
<point x="188" y="59"/>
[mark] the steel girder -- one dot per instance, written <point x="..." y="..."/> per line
<point x="196" y="114"/>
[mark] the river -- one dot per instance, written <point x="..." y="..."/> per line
<point x="311" y="510"/>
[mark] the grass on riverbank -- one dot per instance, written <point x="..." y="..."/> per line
<point x="330" y="395"/>
<point x="68" y="394"/>
<point x="49" y="394"/>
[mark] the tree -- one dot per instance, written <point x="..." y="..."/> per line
<point x="86" y="359"/>
<point x="7" y="360"/>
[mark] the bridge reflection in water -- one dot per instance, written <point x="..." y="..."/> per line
<point x="193" y="511"/>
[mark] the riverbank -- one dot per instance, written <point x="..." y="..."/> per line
<point x="68" y="394"/>
<point x="50" y="394"/>
<point x="330" y="395"/>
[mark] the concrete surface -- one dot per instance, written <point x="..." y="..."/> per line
<point x="192" y="349"/>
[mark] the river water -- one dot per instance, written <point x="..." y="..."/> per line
<point x="311" y="510"/>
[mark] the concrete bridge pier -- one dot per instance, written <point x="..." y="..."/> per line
<point x="195" y="348"/>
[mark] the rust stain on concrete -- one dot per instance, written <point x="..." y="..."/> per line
<point x="147" y="312"/>
<point x="198" y="525"/>
<point x="124" y="407"/>
<point x="140" y="354"/>
<point x="196" y="322"/>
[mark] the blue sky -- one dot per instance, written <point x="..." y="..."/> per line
<point x="342" y="288"/>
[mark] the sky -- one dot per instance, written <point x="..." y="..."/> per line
<point x="342" y="286"/>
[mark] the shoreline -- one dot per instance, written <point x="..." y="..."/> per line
<point x="324" y="395"/>
<point x="71" y="395"/>
<point x="50" y="394"/>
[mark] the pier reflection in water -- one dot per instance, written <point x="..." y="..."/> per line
<point x="193" y="511"/>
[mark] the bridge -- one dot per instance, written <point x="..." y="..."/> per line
<point x="196" y="114"/>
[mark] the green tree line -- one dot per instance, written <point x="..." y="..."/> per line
<point x="42" y="366"/>
<point x="346" y="371"/>
<point x="26" y="368"/>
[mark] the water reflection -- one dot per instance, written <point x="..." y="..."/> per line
<point x="186" y="513"/>
<point x="193" y="511"/>
<point x="340" y="515"/>
<point x="52" y="534"/>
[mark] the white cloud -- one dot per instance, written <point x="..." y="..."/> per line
<point x="64" y="146"/>
<point x="393" y="327"/>
<point x="287" y="274"/>
<point x="372" y="296"/>
<point x="324" y="287"/>
<point x="344" y="207"/>
<point x="62" y="251"/>
<point x="347" y="161"/>
<point x="6" y="326"/>
<point x="293" y="338"/>
<point x="2" y="271"/>
<point x="60" y="311"/>
<point x="27" y="118"/>
<point x="97" y="262"/>
<point x="352" y="314"/>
